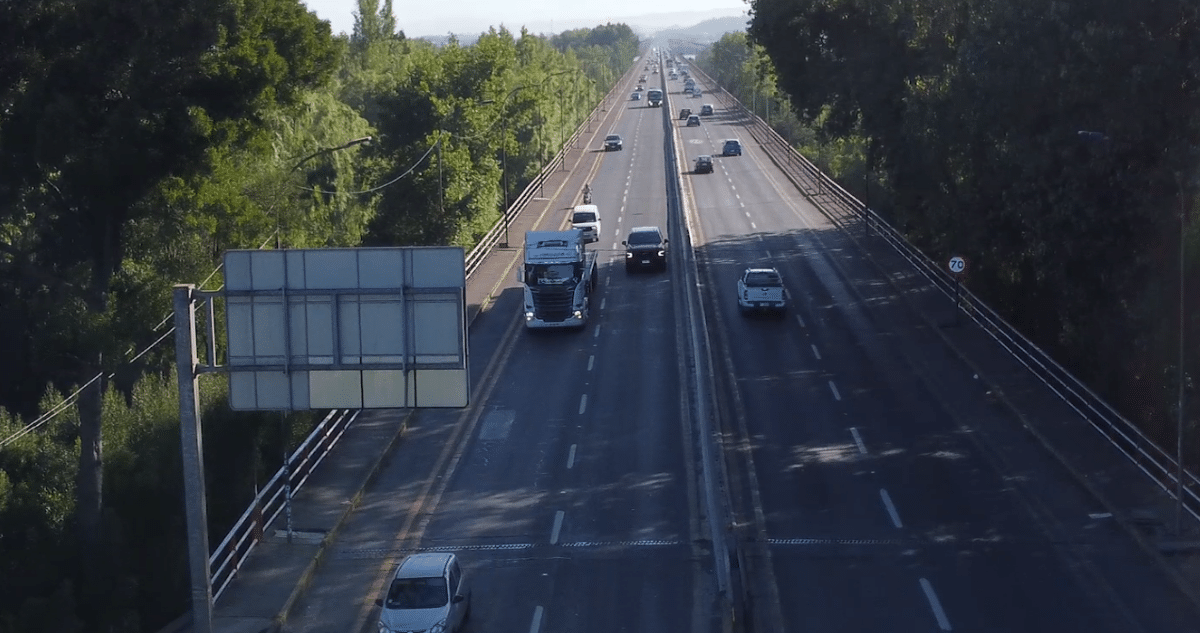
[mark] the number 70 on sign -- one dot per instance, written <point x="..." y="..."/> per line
<point x="957" y="265"/>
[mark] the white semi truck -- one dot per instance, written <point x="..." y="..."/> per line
<point x="559" y="275"/>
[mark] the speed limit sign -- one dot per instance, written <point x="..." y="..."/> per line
<point x="958" y="265"/>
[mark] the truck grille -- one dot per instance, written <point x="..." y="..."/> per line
<point x="552" y="303"/>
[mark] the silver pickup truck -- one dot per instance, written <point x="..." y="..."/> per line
<point x="761" y="289"/>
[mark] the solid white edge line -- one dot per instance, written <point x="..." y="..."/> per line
<point x="832" y="387"/>
<point x="936" y="605"/>
<point x="815" y="352"/>
<point x="582" y="404"/>
<point x="558" y="519"/>
<point x="536" y="625"/>
<point x="862" y="448"/>
<point x="571" y="458"/>
<point x="891" y="507"/>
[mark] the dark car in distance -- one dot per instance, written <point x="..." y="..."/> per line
<point x="731" y="148"/>
<point x="704" y="164"/>
<point x="645" y="248"/>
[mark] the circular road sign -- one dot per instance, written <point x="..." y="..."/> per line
<point x="958" y="265"/>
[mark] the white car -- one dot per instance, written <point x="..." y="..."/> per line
<point x="428" y="594"/>
<point x="761" y="289"/>
<point x="586" y="218"/>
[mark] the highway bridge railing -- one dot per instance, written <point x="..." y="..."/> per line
<point x="845" y="210"/>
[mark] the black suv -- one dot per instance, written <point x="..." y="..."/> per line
<point x="645" y="248"/>
<point x="703" y="164"/>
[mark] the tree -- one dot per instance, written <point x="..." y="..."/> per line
<point x="102" y="103"/>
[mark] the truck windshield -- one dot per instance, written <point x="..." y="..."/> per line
<point x="551" y="273"/>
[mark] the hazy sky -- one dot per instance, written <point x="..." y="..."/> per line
<point x="439" y="17"/>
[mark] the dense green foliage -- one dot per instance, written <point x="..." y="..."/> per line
<point x="138" y="142"/>
<point x="970" y="115"/>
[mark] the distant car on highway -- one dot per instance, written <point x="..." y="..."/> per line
<point x="637" y="96"/>
<point x="428" y="592"/>
<point x="732" y="147"/>
<point x="693" y="120"/>
<point x="613" y="142"/>
<point x="704" y="164"/>
<point x="685" y="113"/>
<point x="706" y="109"/>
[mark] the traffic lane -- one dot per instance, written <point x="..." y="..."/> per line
<point x="629" y="465"/>
<point x="581" y="588"/>
<point x="1018" y="586"/>
<point x="812" y="480"/>
<point x="509" y="483"/>
<point x="646" y="588"/>
<point x="853" y="586"/>
<point x="947" y="485"/>
<point x="931" y="482"/>
<point x="1014" y="492"/>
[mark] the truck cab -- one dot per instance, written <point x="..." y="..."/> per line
<point x="558" y="275"/>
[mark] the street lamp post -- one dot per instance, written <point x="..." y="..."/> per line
<point x="320" y="152"/>
<point x="504" y="149"/>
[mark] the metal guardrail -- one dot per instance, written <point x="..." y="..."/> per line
<point x="245" y="534"/>
<point x="225" y="561"/>
<point x="1158" y="464"/>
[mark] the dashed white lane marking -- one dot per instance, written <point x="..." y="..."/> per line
<point x="603" y="302"/>
<point x="596" y="332"/>
<point x="862" y="448"/>
<point x="891" y="508"/>
<point x="582" y="404"/>
<point x="800" y="320"/>
<point x="571" y="457"/>
<point x="591" y="362"/>
<point x="536" y="625"/>
<point x="936" y="605"/>
<point x="558" y="519"/>
<point x="832" y="387"/>
<point x="754" y="226"/>
<point x="747" y="214"/>
<point x="816" y="353"/>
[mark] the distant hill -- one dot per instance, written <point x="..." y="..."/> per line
<point x="704" y="32"/>
<point x="708" y="27"/>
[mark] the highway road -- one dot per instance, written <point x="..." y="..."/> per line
<point x="568" y="489"/>
<point x="871" y="490"/>
<point x="872" y="494"/>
